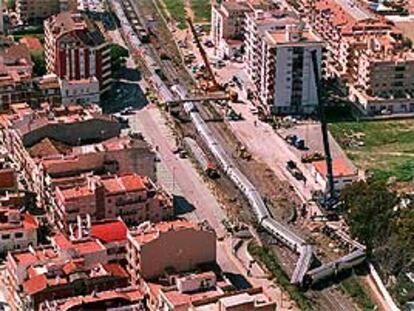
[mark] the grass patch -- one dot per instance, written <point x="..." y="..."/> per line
<point x="202" y="10"/>
<point x="265" y="256"/>
<point x="357" y="292"/>
<point x="388" y="146"/>
<point x="177" y="12"/>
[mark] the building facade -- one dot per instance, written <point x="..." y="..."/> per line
<point x="85" y="91"/>
<point x="76" y="49"/>
<point x="35" y="11"/>
<point x="134" y="198"/>
<point x="179" y="245"/>
<point x="17" y="231"/>
<point x="287" y="80"/>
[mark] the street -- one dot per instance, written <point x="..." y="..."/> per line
<point x="179" y="177"/>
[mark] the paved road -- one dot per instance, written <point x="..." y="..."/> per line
<point x="180" y="178"/>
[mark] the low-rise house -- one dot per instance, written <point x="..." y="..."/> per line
<point x="18" y="230"/>
<point x="344" y="173"/>
<point x="65" y="269"/>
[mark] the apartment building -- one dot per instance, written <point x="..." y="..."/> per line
<point x="14" y="57"/>
<point x="76" y="49"/>
<point x="134" y="198"/>
<point x="84" y="91"/>
<point x="257" y="23"/>
<point x="112" y="233"/>
<point x="127" y="299"/>
<point x="228" y="22"/>
<point x="17" y="230"/>
<point x="35" y="11"/>
<point x="286" y="81"/>
<point x="368" y="53"/>
<point x="63" y="270"/>
<point x="152" y="248"/>
<point x="24" y="127"/>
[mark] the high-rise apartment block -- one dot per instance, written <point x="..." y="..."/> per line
<point x="286" y="81"/>
<point x="76" y="49"/>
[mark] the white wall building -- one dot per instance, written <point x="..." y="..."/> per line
<point x="84" y="91"/>
<point x="17" y="231"/>
<point x="286" y="82"/>
<point x="344" y="173"/>
<point x="257" y="24"/>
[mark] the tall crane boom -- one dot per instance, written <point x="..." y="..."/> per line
<point x="215" y="86"/>
<point x="324" y="128"/>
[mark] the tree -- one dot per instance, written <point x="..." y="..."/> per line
<point x="118" y="55"/>
<point x="11" y="4"/>
<point x="38" y="59"/>
<point x="369" y="208"/>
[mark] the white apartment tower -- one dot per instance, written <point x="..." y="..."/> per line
<point x="257" y="24"/>
<point x="286" y="82"/>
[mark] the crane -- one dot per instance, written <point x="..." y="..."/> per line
<point x="330" y="194"/>
<point x="214" y="86"/>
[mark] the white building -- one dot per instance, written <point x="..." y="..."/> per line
<point x="344" y="173"/>
<point x="17" y="231"/>
<point x="286" y="82"/>
<point x="228" y="23"/>
<point x="84" y="91"/>
<point x="257" y="24"/>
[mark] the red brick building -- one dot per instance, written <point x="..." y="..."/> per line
<point x="76" y="49"/>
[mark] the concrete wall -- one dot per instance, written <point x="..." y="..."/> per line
<point x="183" y="250"/>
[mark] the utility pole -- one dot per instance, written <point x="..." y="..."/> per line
<point x="324" y="127"/>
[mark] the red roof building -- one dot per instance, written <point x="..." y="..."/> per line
<point x="59" y="272"/>
<point x="344" y="173"/>
<point x="132" y="197"/>
<point x="17" y="230"/>
<point x="32" y="43"/>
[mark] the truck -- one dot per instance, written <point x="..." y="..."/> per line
<point x="209" y="168"/>
<point x="296" y="142"/>
<point x="293" y="169"/>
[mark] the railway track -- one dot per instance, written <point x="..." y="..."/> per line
<point x="221" y="132"/>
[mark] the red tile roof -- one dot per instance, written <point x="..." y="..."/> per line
<point x="62" y="241"/>
<point x="340" y="168"/>
<point x="87" y="247"/>
<point x="125" y="183"/>
<point x="35" y="284"/>
<point x="32" y="43"/>
<point x="76" y="193"/>
<point x="115" y="270"/>
<point x="109" y="231"/>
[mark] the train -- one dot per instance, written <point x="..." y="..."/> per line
<point x="335" y="267"/>
<point x="258" y="206"/>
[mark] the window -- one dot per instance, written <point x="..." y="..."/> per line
<point x="18" y="235"/>
<point x="5" y="236"/>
